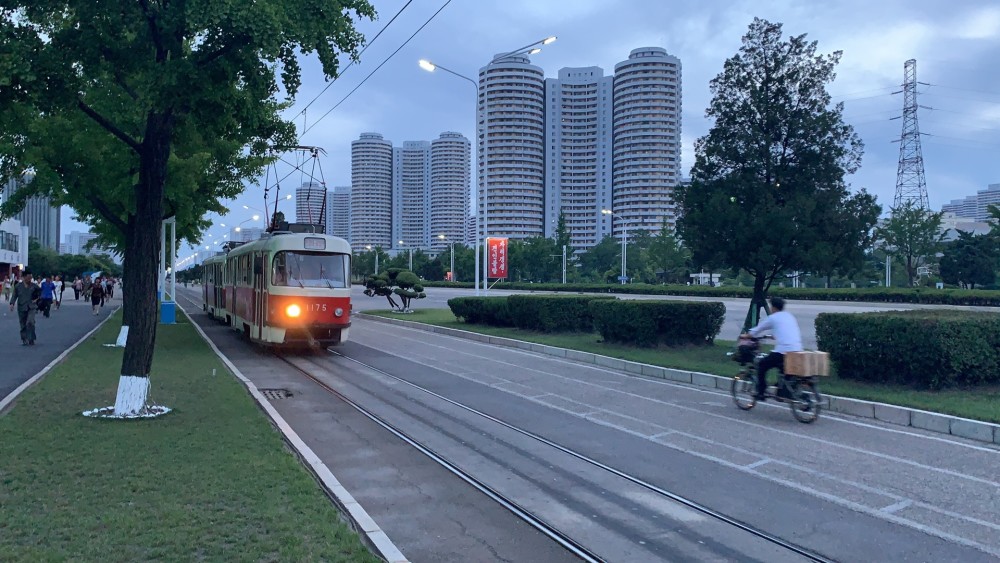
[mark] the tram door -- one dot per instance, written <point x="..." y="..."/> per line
<point x="258" y="293"/>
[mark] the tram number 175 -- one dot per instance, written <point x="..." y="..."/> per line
<point x="316" y="307"/>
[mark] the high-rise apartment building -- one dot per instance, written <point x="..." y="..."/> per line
<point x="511" y="130"/>
<point x="39" y="215"/>
<point x="310" y="203"/>
<point x="975" y="207"/>
<point x="428" y="192"/>
<point x="578" y="149"/>
<point x="411" y="176"/>
<point x="449" y="189"/>
<point x="647" y="139"/>
<point x="338" y="212"/>
<point x="371" y="192"/>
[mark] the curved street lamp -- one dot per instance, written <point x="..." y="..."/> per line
<point x="452" y="243"/>
<point x="624" y="239"/>
<point x="530" y="49"/>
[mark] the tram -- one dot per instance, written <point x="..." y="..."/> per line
<point x="287" y="289"/>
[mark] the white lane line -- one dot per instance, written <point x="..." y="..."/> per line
<point x="637" y="377"/>
<point x="757" y="464"/>
<point x="893" y="508"/>
<point x="676" y="405"/>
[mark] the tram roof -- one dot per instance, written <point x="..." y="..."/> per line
<point x="294" y="241"/>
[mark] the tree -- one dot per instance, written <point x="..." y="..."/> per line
<point x="601" y="262"/>
<point x="133" y="112"/>
<point x="970" y="261"/>
<point x="912" y="234"/>
<point x="667" y="256"/>
<point x="770" y="173"/>
<point x="395" y="281"/>
<point x="846" y="239"/>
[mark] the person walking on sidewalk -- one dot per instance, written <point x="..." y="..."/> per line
<point x="25" y="296"/>
<point x="96" y="296"/>
<point x="48" y="296"/>
<point x="77" y="288"/>
<point x="60" y="288"/>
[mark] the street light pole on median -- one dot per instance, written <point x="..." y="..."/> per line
<point x="624" y="241"/>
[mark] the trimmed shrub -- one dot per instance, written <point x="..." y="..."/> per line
<point x="648" y="323"/>
<point x="482" y="310"/>
<point x="924" y="349"/>
<point x="553" y="313"/>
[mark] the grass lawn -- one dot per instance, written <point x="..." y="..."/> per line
<point x="978" y="404"/>
<point x="210" y="481"/>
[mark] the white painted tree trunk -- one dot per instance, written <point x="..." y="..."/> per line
<point x="122" y="337"/>
<point x="132" y="393"/>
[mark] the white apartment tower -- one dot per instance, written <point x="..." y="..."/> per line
<point x="371" y="192"/>
<point x="511" y="130"/>
<point x="310" y="203"/>
<point x="449" y="189"/>
<point x="411" y="174"/>
<point x="578" y="150"/>
<point x="647" y="136"/>
<point x="976" y="207"/>
<point x="338" y="212"/>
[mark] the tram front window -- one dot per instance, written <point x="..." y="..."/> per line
<point x="308" y="269"/>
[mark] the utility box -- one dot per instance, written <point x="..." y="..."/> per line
<point x="168" y="313"/>
<point x="807" y="364"/>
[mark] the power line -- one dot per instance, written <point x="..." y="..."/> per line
<point x="973" y="141"/>
<point x="387" y="59"/>
<point x="980" y="100"/>
<point x="966" y="89"/>
<point x="369" y="44"/>
<point x="849" y="94"/>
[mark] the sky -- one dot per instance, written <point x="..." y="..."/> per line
<point x="956" y="45"/>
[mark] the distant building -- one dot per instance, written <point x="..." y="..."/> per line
<point x="246" y="234"/>
<point x="975" y="207"/>
<point x="470" y="230"/>
<point x="338" y="212"/>
<point x="448" y="192"/>
<point x="371" y="192"/>
<point x="411" y="176"/>
<point x="42" y="219"/>
<point x="952" y="223"/>
<point x="310" y="203"/>
<point x="13" y="247"/>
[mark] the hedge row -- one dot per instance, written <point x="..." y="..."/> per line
<point x="642" y="323"/>
<point x="918" y="348"/>
<point x="648" y="323"/>
<point x="984" y="298"/>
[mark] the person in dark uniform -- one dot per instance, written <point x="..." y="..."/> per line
<point x="25" y="296"/>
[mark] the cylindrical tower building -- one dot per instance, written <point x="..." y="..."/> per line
<point x="647" y="139"/>
<point x="310" y="203"/>
<point x="511" y="131"/>
<point x="449" y="191"/>
<point x="371" y="192"/>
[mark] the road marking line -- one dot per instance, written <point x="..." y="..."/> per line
<point x="757" y="464"/>
<point x="894" y="508"/>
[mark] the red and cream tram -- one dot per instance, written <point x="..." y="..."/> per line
<point x="286" y="289"/>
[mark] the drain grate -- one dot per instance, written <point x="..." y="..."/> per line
<point x="275" y="393"/>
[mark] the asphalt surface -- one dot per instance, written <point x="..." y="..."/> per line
<point x="736" y="309"/>
<point x="849" y="489"/>
<point x="55" y="334"/>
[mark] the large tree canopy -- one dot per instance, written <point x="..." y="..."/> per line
<point x="770" y="175"/>
<point x="912" y="235"/>
<point x="134" y="111"/>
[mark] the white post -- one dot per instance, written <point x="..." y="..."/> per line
<point x="376" y="262"/>
<point x="173" y="259"/>
<point x="453" y="277"/>
<point x="163" y="260"/>
<point x="564" y="264"/>
<point x="888" y="270"/>
<point x="411" y="258"/>
<point x="624" y="250"/>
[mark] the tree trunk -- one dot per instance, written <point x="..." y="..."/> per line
<point x="828" y="276"/>
<point x="757" y="302"/>
<point x="141" y="267"/>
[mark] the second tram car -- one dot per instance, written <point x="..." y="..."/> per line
<point x="284" y="290"/>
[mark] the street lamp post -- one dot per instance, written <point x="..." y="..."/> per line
<point x="624" y="241"/>
<point x="530" y="49"/>
<point x="452" y="243"/>
<point x="369" y="247"/>
<point x="239" y="228"/>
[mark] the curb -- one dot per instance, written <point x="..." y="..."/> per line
<point x="901" y="416"/>
<point x="7" y="401"/>
<point x="360" y="519"/>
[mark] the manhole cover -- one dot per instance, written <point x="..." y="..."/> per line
<point x="275" y="393"/>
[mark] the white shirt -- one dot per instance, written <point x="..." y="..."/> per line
<point x="785" y="329"/>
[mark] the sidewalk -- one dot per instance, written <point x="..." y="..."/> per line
<point x="55" y="334"/>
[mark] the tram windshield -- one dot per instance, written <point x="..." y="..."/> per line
<point x="310" y="269"/>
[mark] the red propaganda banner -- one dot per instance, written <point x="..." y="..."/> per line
<point x="498" y="257"/>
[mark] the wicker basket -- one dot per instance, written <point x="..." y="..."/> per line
<point x="807" y="364"/>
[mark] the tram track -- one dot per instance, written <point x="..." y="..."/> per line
<point x="562" y="538"/>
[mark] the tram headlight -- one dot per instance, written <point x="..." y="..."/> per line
<point x="338" y="312"/>
<point x="293" y="311"/>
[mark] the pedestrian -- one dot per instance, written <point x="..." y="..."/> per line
<point x="60" y="288"/>
<point x="96" y="297"/>
<point x="111" y="287"/>
<point x="25" y="296"/>
<point x="48" y="295"/>
<point x="77" y="288"/>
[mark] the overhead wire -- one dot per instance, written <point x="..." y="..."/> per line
<point x="387" y="59"/>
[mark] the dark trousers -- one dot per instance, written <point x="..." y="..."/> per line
<point x="27" y="319"/>
<point x="772" y="360"/>
<point x="45" y="306"/>
<point x="76" y="294"/>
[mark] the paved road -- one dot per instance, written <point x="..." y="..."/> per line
<point x="736" y="309"/>
<point x="55" y="334"/>
<point x="850" y="489"/>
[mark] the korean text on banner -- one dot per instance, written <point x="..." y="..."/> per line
<point x="498" y="257"/>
